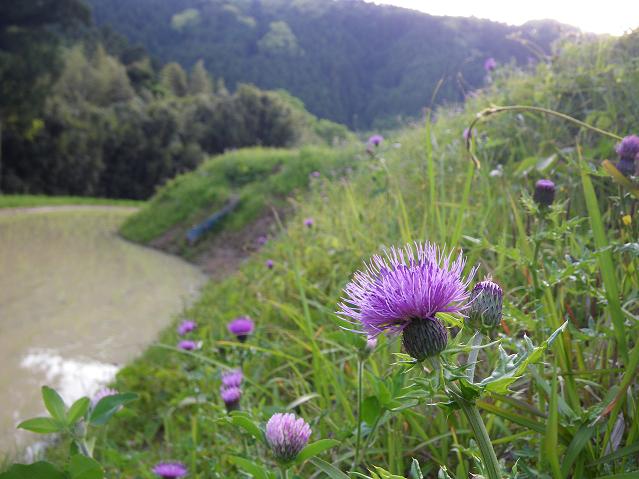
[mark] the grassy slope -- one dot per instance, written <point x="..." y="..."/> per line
<point x="422" y="190"/>
<point x="260" y="178"/>
<point x="27" y="201"/>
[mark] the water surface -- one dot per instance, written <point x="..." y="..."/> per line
<point x="76" y="302"/>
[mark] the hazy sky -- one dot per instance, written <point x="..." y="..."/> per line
<point x="611" y="16"/>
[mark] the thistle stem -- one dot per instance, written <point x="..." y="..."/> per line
<point x="358" y="440"/>
<point x="479" y="431"/>
<point x="284" y="472"/>
<point x="472" y="357"/>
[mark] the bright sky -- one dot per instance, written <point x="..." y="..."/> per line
<point x="611" y="16"/>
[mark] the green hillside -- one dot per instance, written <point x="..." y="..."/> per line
<point x="349" y="61"/>
<point x="572" y="414"/>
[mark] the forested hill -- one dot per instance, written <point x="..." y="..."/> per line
<point x="348" y="60"/>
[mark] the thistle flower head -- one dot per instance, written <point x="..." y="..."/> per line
<point x="187" y="345"/>
<point x="101" y="394"/>
<point x="231" y="397"/>
<point x="544" y="193"/>
<point x="486" y="304"/>
<point x="170" y="470"/>
<point x="232" y="378"/>
<point x="626" y="166"/>
<point x="241" y="327"/>
<point x="269" y="263"/>
<point x="309" y="222"/>
<point x="262" y="240"/>
<point x="628" y="148"/>
<point x="409" y="285"/>
<point x="490" y="64"/>
<point x="316" y="174"/>
<point x="186" y="327"/>
<point x="375" y="140"/>
<point x="287" y="435"/>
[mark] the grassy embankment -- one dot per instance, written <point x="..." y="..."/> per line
<point x="572" y="265"/>
<point x="262" y="180"/>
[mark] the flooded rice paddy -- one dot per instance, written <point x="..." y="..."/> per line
<point x="76" y="302"/>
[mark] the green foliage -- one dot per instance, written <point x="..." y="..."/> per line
<point x="71" y="423"/>
<point x="349" y="61"/>
<point x="108" y="130"/>
<point x="572" y="414"/>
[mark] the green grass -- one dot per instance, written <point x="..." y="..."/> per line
<point x="422" y="186"/>
<point x="260" y="178"/>
<point x="28" y="201"/>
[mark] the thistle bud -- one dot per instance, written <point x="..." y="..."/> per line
<point x="544" y="193"/>
<point x="486" y="303"/>
<point x="423" y="338"/>
<point x="287" y="435"/>
<point x="231" y="397"/>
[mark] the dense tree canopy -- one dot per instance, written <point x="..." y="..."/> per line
<point x="348" y="60"/>
<point x="107" y="128"/>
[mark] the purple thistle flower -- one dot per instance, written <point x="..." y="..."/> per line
<point x="186" y="327"/>
<point x="231" y="397"/>
<point x="232" y="378"/>
<point x="287" y="435"/>
<point x="628" y="151"/>
<point x="269" y="263"/>
<point x="628" y="148"/>
<point x="486" y="304"/>
<point x="170" y="470"/>
<point x="316" y="174"/>
<point x="241" y="327"/>
<point x="309" y="222"/>
<point x="544" y="193"/>
<point x="402" y="293"/>
<point x="262" y="240"/>
<point x="101" y="394"/>
<point x="490" y="64"/>
<point x="187" y="345"/>
<point x="375" y="140"/>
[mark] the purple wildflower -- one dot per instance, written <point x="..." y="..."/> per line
<point x="628" y="151"/>
<point x="232" y="378"/>
<point x="316" y="174"/>
<point x="490" y="64"/>
<point x="186" y="327"/>
<point x="231" y="397"/>
<point x="170" y="470"/>
<point x="241" y="327"/>
<point x="628" y="148"/>
<point x="262" y="240"/>
<point x="187" y="345"/>
<point x="269" y="263"/>
<point x="309" y="222"/>
<point x="544" y="193"/>
<point x="403" y="292"/>
<point x="486" y="304"/>
<point x="101" y="394"/>
<point x="375" y="140"/>
<point x="287" y="435"/>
